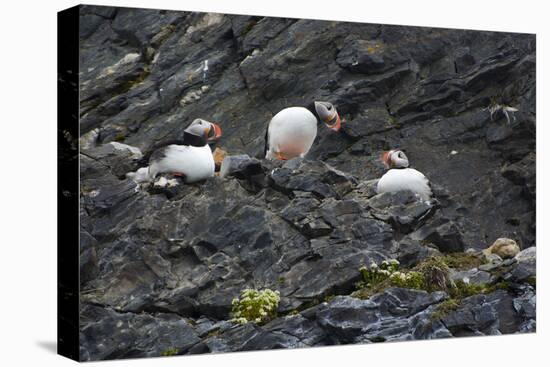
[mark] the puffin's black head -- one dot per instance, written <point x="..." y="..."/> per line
<point x="328" y="114"/>
<point x="201" y="132"/>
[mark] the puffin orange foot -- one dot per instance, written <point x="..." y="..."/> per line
<point x="178" y="174"/>
<point x="280" y="156"/>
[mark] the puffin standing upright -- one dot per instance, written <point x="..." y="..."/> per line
<point x="291" y="132"/>
<point x="401" y="178"/>
<point x="192" y="160"/>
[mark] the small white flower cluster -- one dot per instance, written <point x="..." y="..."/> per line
<point x="411" y="279"/>
<point x="378" y="273"/>
<point x="255" y="306"/>
<point x="399" y="275"/>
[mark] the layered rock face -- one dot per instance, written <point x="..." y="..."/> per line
<point x="160" y="265"/>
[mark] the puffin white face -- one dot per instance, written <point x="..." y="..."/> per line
<point x="210" y="131"/>
<point x="394" y="159"/>
<point x="328" y="114"/>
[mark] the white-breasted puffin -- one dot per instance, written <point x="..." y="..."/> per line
<point x="291" y="131"/>
<point x="192" y="159"/>
<point x="400" y="177"/>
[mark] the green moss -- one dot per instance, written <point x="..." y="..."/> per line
<point x="329" y="298"/>
<point x="281" y="280"/>
<point x="120" y="137"/>
<point x="532" y="281"/>
<point x="462" y="261"/>
<point x="213" y="333"/>
<point x="463" y="290"/>
<point x="169" y="352"/>
<point x="444" y="308"/>
<point x="255" y="306"/>
<point x="501" y="285"/>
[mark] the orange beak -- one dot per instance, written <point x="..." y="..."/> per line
<point x="217" y="132"/>
<point x="335" y="126"/>
<point x="385" y="157"/>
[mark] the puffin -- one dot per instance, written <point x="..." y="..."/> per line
<point x="291" y="132"/>
<point x="191" y="159"/>
<point x="400" y="177"/>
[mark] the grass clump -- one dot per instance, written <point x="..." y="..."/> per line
<point x="436" y="274"/>
<point x="462" y="261"/>
<point x="255" y="306"/>
<point x="444" y="308"/>
<point x="169" y="352"/>
<point x="462" y="290"/>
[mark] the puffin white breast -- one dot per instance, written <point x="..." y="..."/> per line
<point x="291" y="132"/>
<point x="405" y="179"/>
<point x="196" y="163"/>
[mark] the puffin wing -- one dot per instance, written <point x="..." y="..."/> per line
<point x="266" y="138"/>
<point x="158" y="154"/>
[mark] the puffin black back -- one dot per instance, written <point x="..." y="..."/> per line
<point x="67" y="184"/>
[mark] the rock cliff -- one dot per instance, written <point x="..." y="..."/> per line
<point x="160" y="266"/>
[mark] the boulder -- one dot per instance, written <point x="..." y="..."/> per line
<point x="505" y="248"/>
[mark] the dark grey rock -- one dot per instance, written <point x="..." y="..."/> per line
<point x="525" y="265"/>
<point x="442" y="233"/>
<point x="476" y="316"/>
<point x="240" y="166"/>
<point x="396" y="314"/>
<point x="472" y="276"/>
<point x="525" y="305"/>
<point x="403" y="209"/>
<point x="111" y="335"/>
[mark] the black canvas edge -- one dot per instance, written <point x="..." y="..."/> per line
<point x="68" y="244"/>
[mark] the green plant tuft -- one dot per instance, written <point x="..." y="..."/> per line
<point x="169" y="352"/>
<point x="436" y="274"/>
<point x="255" y="306"/>
<point x="444" y="308"/>
<point x="411" y="279"/>
<point x="376" y="278"/>
<point x="463" y="290"/>
<point x="462" y="261"/>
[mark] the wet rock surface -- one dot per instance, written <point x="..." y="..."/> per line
<point x="160" y="265"/>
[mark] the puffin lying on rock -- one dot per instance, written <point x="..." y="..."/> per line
<point x="192" y="160"/>
<point x="291" y="132"/>
<point x="401" y="178"/>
